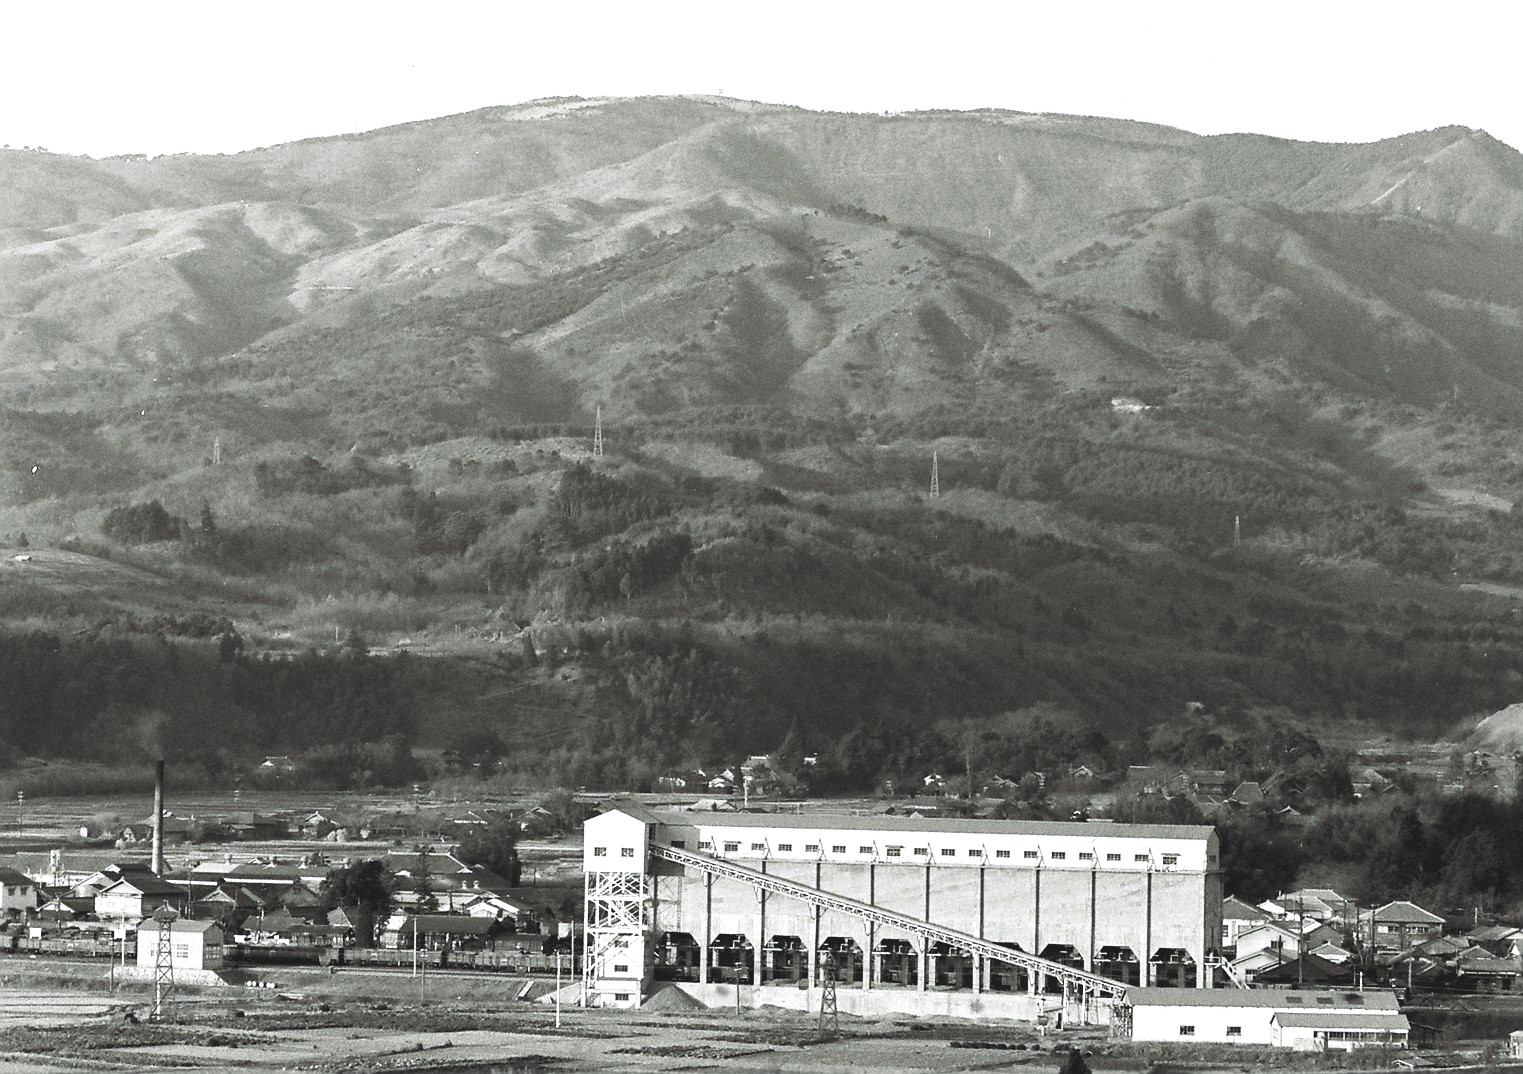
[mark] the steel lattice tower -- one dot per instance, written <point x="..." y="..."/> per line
<point x="597" y="435"/>
<point x="163" y="968"/>
<point x="935" y="477"/>
<point x="830" y="1018"/>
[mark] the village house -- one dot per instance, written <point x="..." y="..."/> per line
<point x="1399" y="925"/>
<point x="1238" y="916"/>
<point x="138" y="894"/>
<point x="18" y="893"/>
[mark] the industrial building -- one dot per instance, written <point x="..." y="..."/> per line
<point x="1018" y="919"/>
<point x="1320" y="1021"/>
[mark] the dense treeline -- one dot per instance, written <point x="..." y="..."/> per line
<point x="308" y="475"/>
<point x="122" y="699"/>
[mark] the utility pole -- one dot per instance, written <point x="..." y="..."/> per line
<point x="935" y="477"/>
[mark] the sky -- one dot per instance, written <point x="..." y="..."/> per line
<point x="165" y="77"/>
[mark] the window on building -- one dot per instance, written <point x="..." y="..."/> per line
<point x="626" y="852"/>
<point x="1296" y="1000"/>
<point x="731" y="845"/>
<point x="1085" y="855"/>
<point x="621" y="967"/>
<point x="949" y="852"/>
<point x="1113" y="857"/>
<point x="975" y="853"/>
<point x="1029" y="854"/>
<point x="1354" y="999"/>
<point x="1171" y="859"/>
<point x="894" y="852"/>
<point x="1234" y="1031"/>
<point x="838" y="848"/>
<point x="621" y="997"/>
<point x="705" y="844"/>
<point x="811" y="848"/>
<point x="182" y="950"/>
<point x="680" y="844"/>
<point x="924" y="852"/>
<point x="1187" y="1031"/>
<point x="1139" y="857"/>
<point x="758" y="846"/>
<point x="1059" y="855"/>
<point x="787" y="847"/>
<point x="1326" y="1001"/>
<point x="1002" y="853"/>
<point x="600" y="852"/>
<point x="864" y="850"/>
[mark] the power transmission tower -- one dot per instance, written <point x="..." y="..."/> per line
<point x="163" y="968"/>
<point x="1237" y="530"/>
<point x="597" y="436"/>
<point x="830" y="1018"/>
<point x="935" y="477"/>
<point x="217" y="451"/>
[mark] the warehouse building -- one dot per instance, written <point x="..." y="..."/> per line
<point x="1004" y="918"/>
<point x="1306" y="1021"/>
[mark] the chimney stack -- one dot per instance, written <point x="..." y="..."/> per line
<point x="158" y="818"/>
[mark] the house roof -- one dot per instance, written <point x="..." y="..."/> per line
<point x="1234" y="908"/>
<point x="1492" y="933"/>
<point x="1247" y="793"/>
<point x="143" y="884"/>
<point x="1309" y="968"/>
<point x="1402" y="912"/>
<point x="459" y="924"/>
<point x="14" y="878"/>
<point x="1239" y="997"/>
<point x="1396" y="1023"/>
<point x="181" y="924"/>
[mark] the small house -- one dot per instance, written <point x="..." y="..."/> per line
<point x="194" y="945"/>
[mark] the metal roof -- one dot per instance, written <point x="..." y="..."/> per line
<point x="1239" y="997"/>
<point x="950" y="825"/>
<point x="1395" y="1022"/>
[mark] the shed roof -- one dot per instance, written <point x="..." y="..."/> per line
<point x="1239" y="997"/>
<point x="1395" y="1022"/>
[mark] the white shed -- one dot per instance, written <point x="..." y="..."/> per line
<point x="1247" y="1016"/>
<point x="194" y="945"/>
<point x="1331" y="1031"/>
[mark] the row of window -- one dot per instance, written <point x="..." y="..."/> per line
<point x="1189" y="1031"/>
<point x="624" y="852"/>
<point x="732" y="846"/>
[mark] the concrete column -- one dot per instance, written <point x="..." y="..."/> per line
<point x="983" y="874"/>
<point x="1093" y="877"/>
<point x="708" y="928"/>
<point x="760" y="953"/>
<point x="1036" y="912"/>
<point x="869" y="961"/>
<point x="925" y="959"/>
<point x="1146" y="954"/>
<point x="813" y="961"/>
<point x="980" y="967"/>
<point x="926" y="913"/>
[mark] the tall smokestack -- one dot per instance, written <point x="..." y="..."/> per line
<point x="158" y="818"/>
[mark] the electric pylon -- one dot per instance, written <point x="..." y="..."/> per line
<point x="597" y="435"/>
<point x="935" y="477"/>
<point x="830" y="1018"/>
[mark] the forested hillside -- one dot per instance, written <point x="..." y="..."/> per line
<point x="297" y="444"/>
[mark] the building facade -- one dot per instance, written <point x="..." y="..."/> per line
<point x="894" y="903"/>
